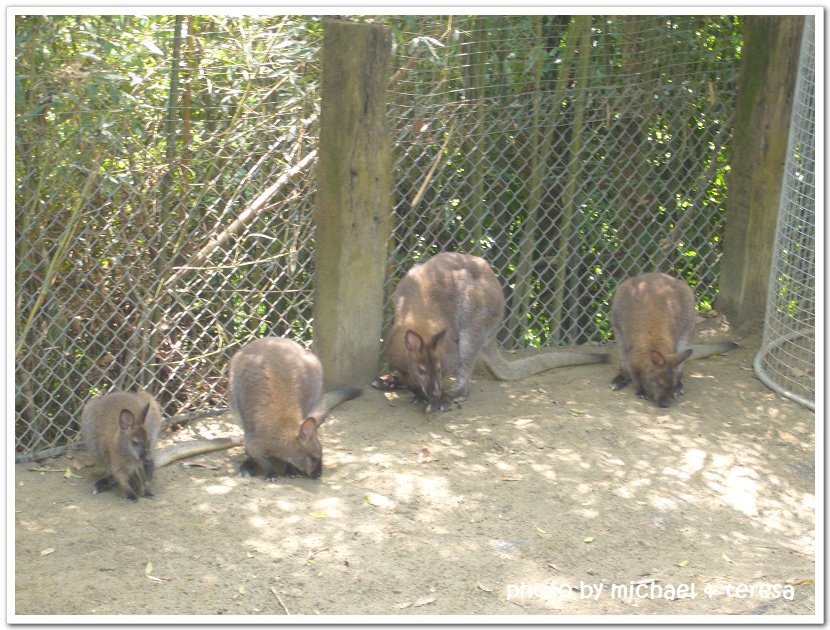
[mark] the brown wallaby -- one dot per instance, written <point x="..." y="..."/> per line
<point x="276" y="394"/>
<point x="653" y="317"/>
<point x="120" y="429"/>
<point x="447" y="313"/>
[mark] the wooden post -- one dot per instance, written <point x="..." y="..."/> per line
<point x="353" y="208"/>
<point x="759" y="145"/>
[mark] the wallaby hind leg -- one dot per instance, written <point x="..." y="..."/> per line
<point x="248" y="468"/>
<point x="620" y="381"/>
<point x="103" y="485"/>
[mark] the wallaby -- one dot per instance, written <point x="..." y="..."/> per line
<point x="120" y="429"/>
<point x="653" y="317"/>
<point x="276" y="394"/>
<point x="447" y="313"/>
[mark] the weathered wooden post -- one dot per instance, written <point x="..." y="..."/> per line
<point x="759" y="147"/>
<point x="353" y="203"/>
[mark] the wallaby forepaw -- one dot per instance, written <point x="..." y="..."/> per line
<point x="148" y="494"/>
<point x="130" y="496"/>
<point x="387" y="382"/>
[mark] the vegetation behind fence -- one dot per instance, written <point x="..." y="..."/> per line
<point x="164" y="169"/>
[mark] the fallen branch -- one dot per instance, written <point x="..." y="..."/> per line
<point x="245" y="217"/>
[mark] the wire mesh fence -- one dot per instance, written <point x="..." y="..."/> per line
<point x="786" y="361"/>
<point x="164" y="174"/>
<point x="152" y="237"/>
<point x="569" y="152"/>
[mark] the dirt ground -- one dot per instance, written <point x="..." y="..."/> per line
<point x="548" y="496"/>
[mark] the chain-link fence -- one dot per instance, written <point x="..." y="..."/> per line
<point x="164" y="173"/>
<point x="153" y="232"/>
<point x="569" y="152"/>
<point x="786" y="361"/>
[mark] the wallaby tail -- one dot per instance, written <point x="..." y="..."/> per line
<point x="505" y="370"/>
<point x="339" y="396"/>
<point x="182" y="450"/>
<point x="701" y="352"/>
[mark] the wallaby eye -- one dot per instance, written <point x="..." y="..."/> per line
<point x="422" y="370"/>
<point x="137" y="443"/>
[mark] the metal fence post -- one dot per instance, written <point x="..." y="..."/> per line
<point x="353" y="201"/>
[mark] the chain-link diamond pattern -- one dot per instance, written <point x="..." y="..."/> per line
<point x="569" y="152"/>
<point x="149" y="248"/>
<point x="164" y="183"/>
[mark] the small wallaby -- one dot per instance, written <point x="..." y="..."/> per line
<point x="120" y="429"/>
<point x="447" y="313"/>
<point x="276" y="394"/>
<point x="653" y="317"/>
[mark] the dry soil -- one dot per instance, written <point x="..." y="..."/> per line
<point x="548" y="496"/>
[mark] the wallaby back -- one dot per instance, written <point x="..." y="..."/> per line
<point x="447" y="313"/>
<point x="121" y="429"/>
<point x="653" y="318"/>
<point x="276" y="393"/>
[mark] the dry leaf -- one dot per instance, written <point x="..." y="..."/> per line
<point x="200" y="465"/>
<point x="725" y="557"/>
<point x="428" y="599"/>
<point x="378" y="500"/>
<point x="588" y="539"/>
<point x="149" y="568"/>
<point x="484" y="588"/>
<point x="554" y="567"/>
<point x="249" y="554"/>
<point x="542" y="533"/>
<point x="320" y="514"/>
<point x="424" y="456"/>
<point x="241" y="590"/>
<point x="512" y="478"/>
<point x="804" y="582"/>
<point x="153" y="578"/>
<point x="46" y="552"/>
<point x="76" y="464"/>
<point x="759" y="574"/>
<point x="403" y="605"/>
<point x="682" y="563"/>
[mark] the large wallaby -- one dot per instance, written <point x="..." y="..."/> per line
<point x="276" y="394"/>
<point x="653" y="317"/>
<point x="120" y="429"/>
<point x="447" y="313"/>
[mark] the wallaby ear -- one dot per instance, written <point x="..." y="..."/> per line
<point x="657" y="359"/>
<point x="143" y="415"/>
<point x="414" y="342"/>
<point x="436" y="339"/>
<point x="126" y="419"/>
<point x="308" y="428"/>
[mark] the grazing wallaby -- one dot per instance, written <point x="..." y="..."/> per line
<point x="653" y="317"/>
<point x="120" y="429"/>
<point x="276" y="394"/>
<point x="447" y="313"/>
